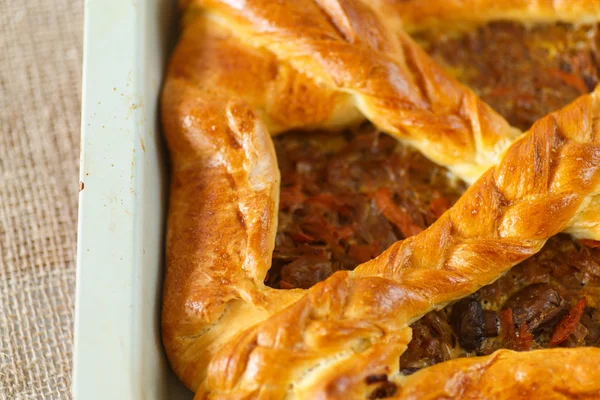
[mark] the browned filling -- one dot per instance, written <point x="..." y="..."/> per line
<point x="523" y="73"/>
<point x="346" y="197"/>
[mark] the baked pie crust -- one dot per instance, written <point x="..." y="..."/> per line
<point x="246" y="70"/>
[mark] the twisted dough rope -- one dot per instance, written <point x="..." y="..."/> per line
<point x="223" y="213"/>
<point x="508" y="375"/>
<point x="346" y="47"/>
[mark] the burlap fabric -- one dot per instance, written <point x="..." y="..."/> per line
<point x="40" y="94"/>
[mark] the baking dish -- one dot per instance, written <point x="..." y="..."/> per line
<point x="118" y="352"/>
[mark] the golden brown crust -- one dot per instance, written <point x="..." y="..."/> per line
<point x="208" y="56"/>
<point x="229" y="336"/>
<point x="346" y="46"/>
<point x="418" y="15"/>
<point x="543" y="374"/>
<point x="224" y="194"/>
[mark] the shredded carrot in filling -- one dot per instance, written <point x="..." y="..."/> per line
<point x="525" y="338"/>
<point x="567" y="325"/>
<point x="508" y="325"/>
<point x="570" y="79"/>
<point x="590" y="243"/>
<point x="395" y="214"/>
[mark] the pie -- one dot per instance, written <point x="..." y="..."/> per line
<point x="384" y="199"/>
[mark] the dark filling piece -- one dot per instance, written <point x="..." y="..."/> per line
<point x="346" y="197"/>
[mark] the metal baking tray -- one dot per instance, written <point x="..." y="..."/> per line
<point x="118" y="352"/>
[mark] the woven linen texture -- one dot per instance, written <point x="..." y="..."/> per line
<point x="40" y="95"/>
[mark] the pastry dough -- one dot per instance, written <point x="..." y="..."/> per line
<point x="244" y="69"/>
<point x="384" y="74"/>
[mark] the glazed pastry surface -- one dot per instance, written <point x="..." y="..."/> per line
<point x="246" y="70"/>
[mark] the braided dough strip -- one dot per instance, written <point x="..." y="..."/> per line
<point x="353" y="325"/>
<point x="419" y="15"/>
<point x="345" y="46"/>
